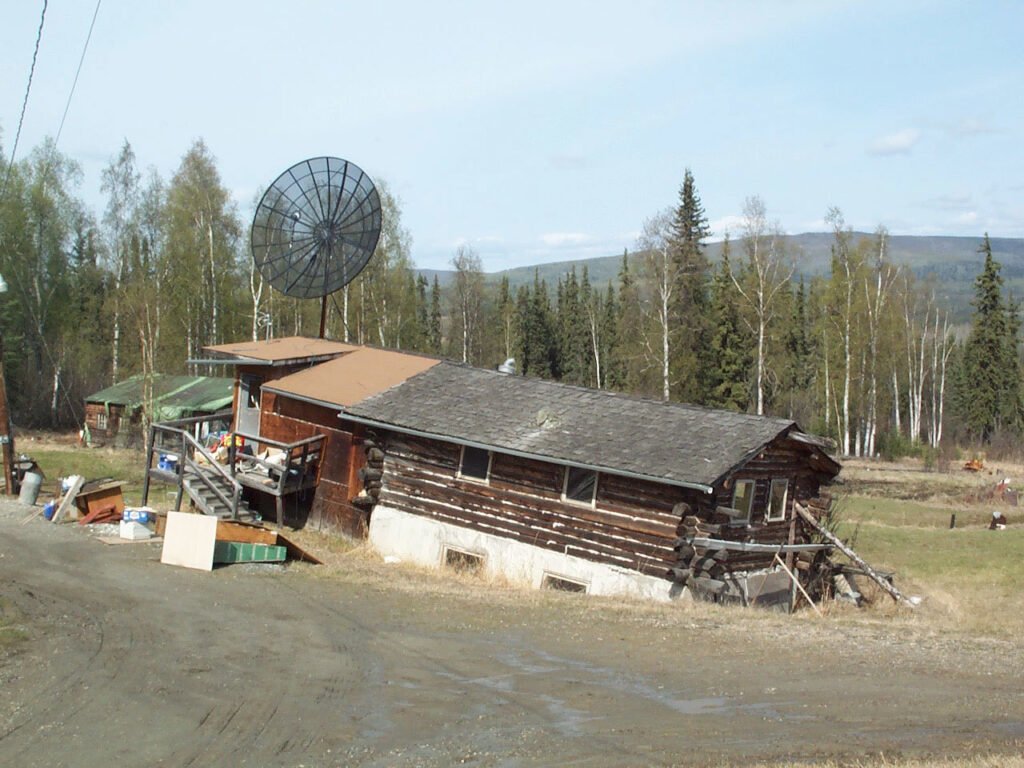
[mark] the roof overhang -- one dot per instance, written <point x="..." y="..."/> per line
<point x="522" y="454"/>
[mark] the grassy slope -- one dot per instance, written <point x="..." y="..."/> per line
<point x="970" y="576"/>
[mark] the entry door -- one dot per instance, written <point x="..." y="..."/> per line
<point x="248" y="419"/>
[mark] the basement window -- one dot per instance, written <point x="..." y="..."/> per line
<point x="475" y="464"/>
<point x="562" y="584"/>
<point x="777" y="500"/>
<point x="743" y="498"/>
<point x="462" y="561"/>
<point x="580" y="486"/>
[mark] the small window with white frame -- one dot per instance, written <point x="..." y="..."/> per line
<point x="475" y="464"/>
<point x="777" y="500"/>
<point x="743" y="499"/>
<point x="101" y="420"/>
<point x="580" y="486"/>
<point x="563" y="584"/>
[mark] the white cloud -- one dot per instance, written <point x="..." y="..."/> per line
<point x="559" y="239"/>
<point x="733" y="224"/>
<point x="899" y="143"/>
<point x="970" y="217"/>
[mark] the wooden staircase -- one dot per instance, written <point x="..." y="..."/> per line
<point x="201" y="486"/>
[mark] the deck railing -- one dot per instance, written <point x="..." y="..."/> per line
<point x="295" y="469"/>
<point x="169" y="438"/>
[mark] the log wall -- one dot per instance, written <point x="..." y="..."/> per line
<point x="92" y="414"/>
<point x="288" y="420"/>
<point x="783" y="459"/>
<point x="631" y="525"/>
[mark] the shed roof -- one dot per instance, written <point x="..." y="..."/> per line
<point x="668" y="442"/>
<point x="353" y="377"/>
<point x="172" y="395"/>
<point x="291" y="349"/>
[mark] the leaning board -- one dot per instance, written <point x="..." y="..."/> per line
<point x="189" y="540"/>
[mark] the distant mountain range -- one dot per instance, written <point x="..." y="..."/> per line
<point x="951" y="262"/>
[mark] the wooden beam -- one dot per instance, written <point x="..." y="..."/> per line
<point x="750" y="546"/>
<point x="68" y="499"/>
<point x="870" y="572"/>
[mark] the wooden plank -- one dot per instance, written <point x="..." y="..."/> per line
<point x="229" y="530"/>
<point x="295" y="552"/>
<point x="870" y="572"/>
<point x="68" y="499"/>
<point x="744" y="546"/>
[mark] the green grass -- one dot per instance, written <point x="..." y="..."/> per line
<point x="971" y="574"/>
<point x="898" y="512"/>
<point x="92" y="464"/>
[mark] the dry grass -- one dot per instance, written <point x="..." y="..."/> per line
<point x="978" y="761"/>
<point x="12" y="628"/>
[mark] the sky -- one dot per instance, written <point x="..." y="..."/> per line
<point x="549" y="131"/>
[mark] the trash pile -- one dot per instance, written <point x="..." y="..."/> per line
<point x="192" y="540"/>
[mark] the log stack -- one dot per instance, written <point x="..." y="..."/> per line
<point x="372" y="474"/>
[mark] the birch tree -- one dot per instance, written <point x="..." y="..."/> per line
<point x="767" y="273"/>
<point x="661" y="270"/>
<point x="120" y="182"/>
<point x="467" y="301"/>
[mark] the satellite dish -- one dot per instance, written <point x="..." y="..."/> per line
<point x="316" y="228"/>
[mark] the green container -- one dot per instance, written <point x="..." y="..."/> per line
<point x="236" y="552"/>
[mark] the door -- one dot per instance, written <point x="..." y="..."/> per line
<point x="248" y="417"/>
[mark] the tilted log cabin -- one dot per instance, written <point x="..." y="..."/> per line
<point x="585" y="489"/>
<point x="547" y="483"/>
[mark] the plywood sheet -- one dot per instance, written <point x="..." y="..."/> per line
<point x="189" y="540"/>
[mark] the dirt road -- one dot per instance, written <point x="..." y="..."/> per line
<point x="132" y="663"/>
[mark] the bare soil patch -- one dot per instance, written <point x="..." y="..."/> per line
<point x="368" y="664"/>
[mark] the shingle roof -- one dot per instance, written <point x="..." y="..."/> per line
<point x="682" y="444"/>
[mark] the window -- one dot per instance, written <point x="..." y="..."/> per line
<point x="462" y="561"/>
<point x="743" y="498"/>
<point x="777" y="500"/>
<point x="101" y="420"/>
<point x="475" y="464"/>
<point x="562" y="584"/>
<point x="580" y="486"/>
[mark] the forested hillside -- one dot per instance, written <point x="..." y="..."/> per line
<point x="851" y="334"/>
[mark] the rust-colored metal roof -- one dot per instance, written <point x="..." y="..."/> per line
<point x="351" y="378"/>
<point x="287" y="350"/>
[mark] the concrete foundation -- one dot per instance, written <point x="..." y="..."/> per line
<point x="426" y="542"/>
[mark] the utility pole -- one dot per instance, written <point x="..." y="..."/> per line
<point x="6" y="437"/>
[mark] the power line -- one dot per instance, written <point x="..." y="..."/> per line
<point x="24" y="103"/>
<point x="81" y="60"/>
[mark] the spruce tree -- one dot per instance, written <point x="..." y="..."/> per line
<point x="989" y="395"/>
<point x="434" y="325"/>
<point x="799" y="371"/>
<point x="691" y="328"/>
<point x="728" y="368"/>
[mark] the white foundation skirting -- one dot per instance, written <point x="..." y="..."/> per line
<point x="420" y="540"/>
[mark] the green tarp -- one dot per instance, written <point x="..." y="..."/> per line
<point x="174" y="397"/>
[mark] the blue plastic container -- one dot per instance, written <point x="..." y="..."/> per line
<point x="49" y="508"/>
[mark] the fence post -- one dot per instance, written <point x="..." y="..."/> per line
<point x="149" y="464"/>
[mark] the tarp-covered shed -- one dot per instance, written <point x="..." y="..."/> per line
<point x="110" y="412"/>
